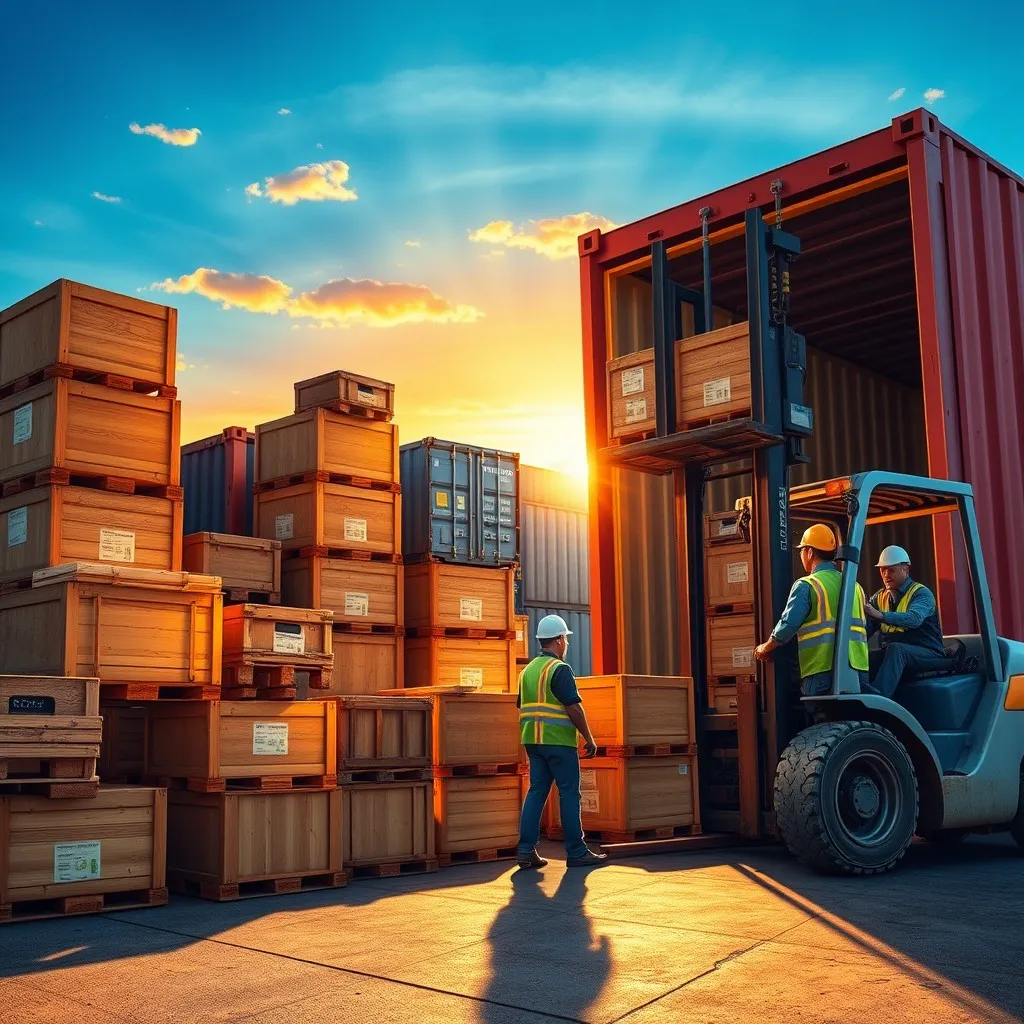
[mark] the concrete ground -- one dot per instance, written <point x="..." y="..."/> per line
<point x="729" y="936"/>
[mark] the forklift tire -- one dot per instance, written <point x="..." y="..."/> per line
<point x="846" y="798"/>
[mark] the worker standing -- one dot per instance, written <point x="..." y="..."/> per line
<point x="810" y="615"/>
<point x="907" y="617"/>
<point x="550" y="715"/>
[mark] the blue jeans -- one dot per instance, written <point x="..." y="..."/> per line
<point x="560" y="765"/>
<point x="894" y="661"/>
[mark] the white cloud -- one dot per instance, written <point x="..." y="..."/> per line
<point x="312" y="182"/>
<point x="183" y="364"/>
<point x="932" y="95"/>
<point x="554" y="237"/>
<point x="172" y="136"/>
<point x="898" y="94"/>
<point x="284" y="111"/>
<point x="38" y="223"/>
<point x="412" y="244"/>
<point x="105" y="198"/>
<point x="319" y="145"/>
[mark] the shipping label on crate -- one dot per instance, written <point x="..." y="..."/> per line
<point x="289" y="638"/>
<point x="269" y="738"/>
<point x="737" y="572"/>
<point x="718" y="392"/>
<point x="728" y="528"/>
<point x="22" y="423"/>
<point x="632" y="381"/>
<point x="284" y="526"/>
<point x="367" y="396"/>
<point x="471" y="609"/>
<point x="519" y="635"/>
<point x="117" y="546"/>
<point x="355" y="530"/>
<point x="742" y="657"/>
<point x="471" y="677"/>
<point x="590" y="803"/>
<point x="588" y="778"/>
<point x="684" y="769"/>
<point x="357" y="604"/>
<point x="17" y="527"/>
<point x="636" y="410"/>
<point x="76" y="862"/>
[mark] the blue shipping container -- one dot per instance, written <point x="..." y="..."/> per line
<point x="460" y="503"/>
<point x="217" y="478"/>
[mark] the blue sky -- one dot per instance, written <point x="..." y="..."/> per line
<point x="446" y="119"/>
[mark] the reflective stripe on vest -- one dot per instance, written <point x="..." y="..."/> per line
<point x="542" y="717"/>
<point x="883" y="599"/>
<point x="817" y="636"/>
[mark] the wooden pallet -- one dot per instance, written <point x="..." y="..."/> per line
<point x="116" y="484"/>
<point x="457" y="632"/>
<point x="158" y="691"/>
<point x="55" y="789"/>
<point x="730" y="609"/>
<point x="460" y="771"/>
<point x="66" y="906"/>
<point x="354" y="409"/>
<point x="696" y="422"/>
<point x="649" y="750"/>
<point x="731" y="680"/>
<point x="346" y="554"/>
<point x="251" y="680"/>
<point x="624" y="439"/>
<point x="261" y="783"/>
<point x="251" y="597"/>
<point x="109" y="380"/>
<point x="503" y="563"/>
<point x="385" y="775"/>
<point x="426" y="865"/>
<point x="640" y="835"/>
<point x="325" y="477"/>
<point x="378" y="628"/>
<point x="447" y="860"/>
<point x="223" y="891"/>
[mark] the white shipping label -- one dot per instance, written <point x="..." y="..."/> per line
<point x="519" y="636"/>
<point x="588" y="778"/>
<point x="357" y="604"/>
<point x="684" y="769"/>
<point x="117" y="546"/>
<point x="728" y="528"/>
<point x="636" y="410"/>
<point x="800" y="415"/>
<point x="284" y="527"/>
<point x="270" y="738"/>
<point x="370" y="398"/>
<point x="471" y="677"/>
<point x="742" y="657"/>
<point x="22" y="423"/>
<point x="718" y="392"/>
<point x="76" y="862"/>
<point x="289" y="638"/>
<point x="471" y="609"/>
<point x="589" y="802"/>
<point x="355" y="529"/>
<point x="737" y="572"/>
<point x="17" y="527"/>
<point x="632" y="380"/>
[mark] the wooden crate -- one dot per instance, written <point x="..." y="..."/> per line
<point x="346" y="392"/>
<point x="727" y="528"/>
<point x="209" y="742"/>
<point x="123" y="748"/>
<point x="89" y="329"/>
<point x="276" y="635"/>
<point x="89" y="430"/>
<point x="639" y="711"/>
<point x="521" y="624"/>
<point x="365" y="663"/>
<point x="56" y="524"/>
<point x="119" y="625"/>
<point x="387" y="823"/>
<point x="631" y="399"/>
<point x="477" y="813"/>
<point x="378" y="732"/>
<point x="321" y="441"/>
<point x="249" y="565"/>
<point x="731" y="643"/>
<point x="713" y="376"/>
<point x="72" y="853"/>
<point x="221" y="844"/>
<point x="728" y="575"/>
<point x="722" y="697"/>
<point x="458" y="599"/>
<point x="356" y="592"/>
<point x="469" y="728"/>
<point x="326" y="515"/>
<point x="453" y="661"/>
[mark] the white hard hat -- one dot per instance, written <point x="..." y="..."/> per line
<point x="552" y="626"/>
<point x="892" y="555"/>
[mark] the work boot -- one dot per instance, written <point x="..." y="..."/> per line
<point x="535" y="860"/>
<point x="588" y="860"/>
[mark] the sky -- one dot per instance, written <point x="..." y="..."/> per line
<point x="396" y="188"/>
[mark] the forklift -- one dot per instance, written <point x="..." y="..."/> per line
<point x="845" y="779"/>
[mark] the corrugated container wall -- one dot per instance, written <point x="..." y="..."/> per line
<point x="580" y="656"/>
<point x="217" y="477"/>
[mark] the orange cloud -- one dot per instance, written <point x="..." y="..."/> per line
<point x="254" y="292"/>
<point x="313" y="182"/>
<point x="554" y="237"/>
<point x="172" y="136"/>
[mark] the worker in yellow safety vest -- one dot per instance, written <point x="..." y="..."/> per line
<point x="810" y="616"/>
<point x="550" y="717"/>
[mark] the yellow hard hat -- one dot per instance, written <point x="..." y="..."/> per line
<point x="820" y="537"/>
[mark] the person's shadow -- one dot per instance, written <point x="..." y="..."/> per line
<point x="545" y="955"/>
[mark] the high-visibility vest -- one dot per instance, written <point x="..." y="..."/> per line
<point x="927" y="635"/>
<point x="542" y="716"/>
<point x="885" y="602"/>
<point x="816" y="638"/>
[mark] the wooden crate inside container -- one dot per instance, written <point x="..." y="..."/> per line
<point x="631" y="408"/>
<point x="469" y="728"/>
<point x="326" y="515"/>
<point x="477" y="814"/>
<point x="123" y="748"/>
<point x="89" y="329"/>
<point x="458" y="599"/>
<point x="521" y="624"/>
<point x="52" y="525"/>
<point x="357" y="593"/>
<point x="120" y="625"/>
<point x="724" y="528"/>
<point x="342" y="391"/>
<point x="89" y="430"/>
<point x="454" y="661"/>
<point x="81" y="856"/>
<point x="722" y="697"/>
<point x="208" y="743"/>
<point x="365" y="663"/>
<point x="388" y="823"/>
<point x="713" y="376"/>
<point x="731" y="643"/>
<point x="728" y="575"/>
<point x="321" y="441"/>
<point x="246" y="565"/>
<point x="223" y="845"/>
<point x="639" y="711"/>
<point x="378" y="732"/>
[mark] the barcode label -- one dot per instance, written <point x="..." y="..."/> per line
<point x="718" y="392"/>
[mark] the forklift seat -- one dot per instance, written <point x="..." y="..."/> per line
<point x="941" y="703"/>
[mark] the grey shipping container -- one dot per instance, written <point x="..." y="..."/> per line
<point x="460" y="503"/>
<point x="217" y="477"/>
<point x="580" y="656"/>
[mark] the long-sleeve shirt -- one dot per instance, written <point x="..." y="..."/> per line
<point x="922" y="605"/>
<point x="798" y="607"/>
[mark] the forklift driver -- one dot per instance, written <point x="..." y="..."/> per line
<point x="810" y="616"/>
<point x="906" y="617"/>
